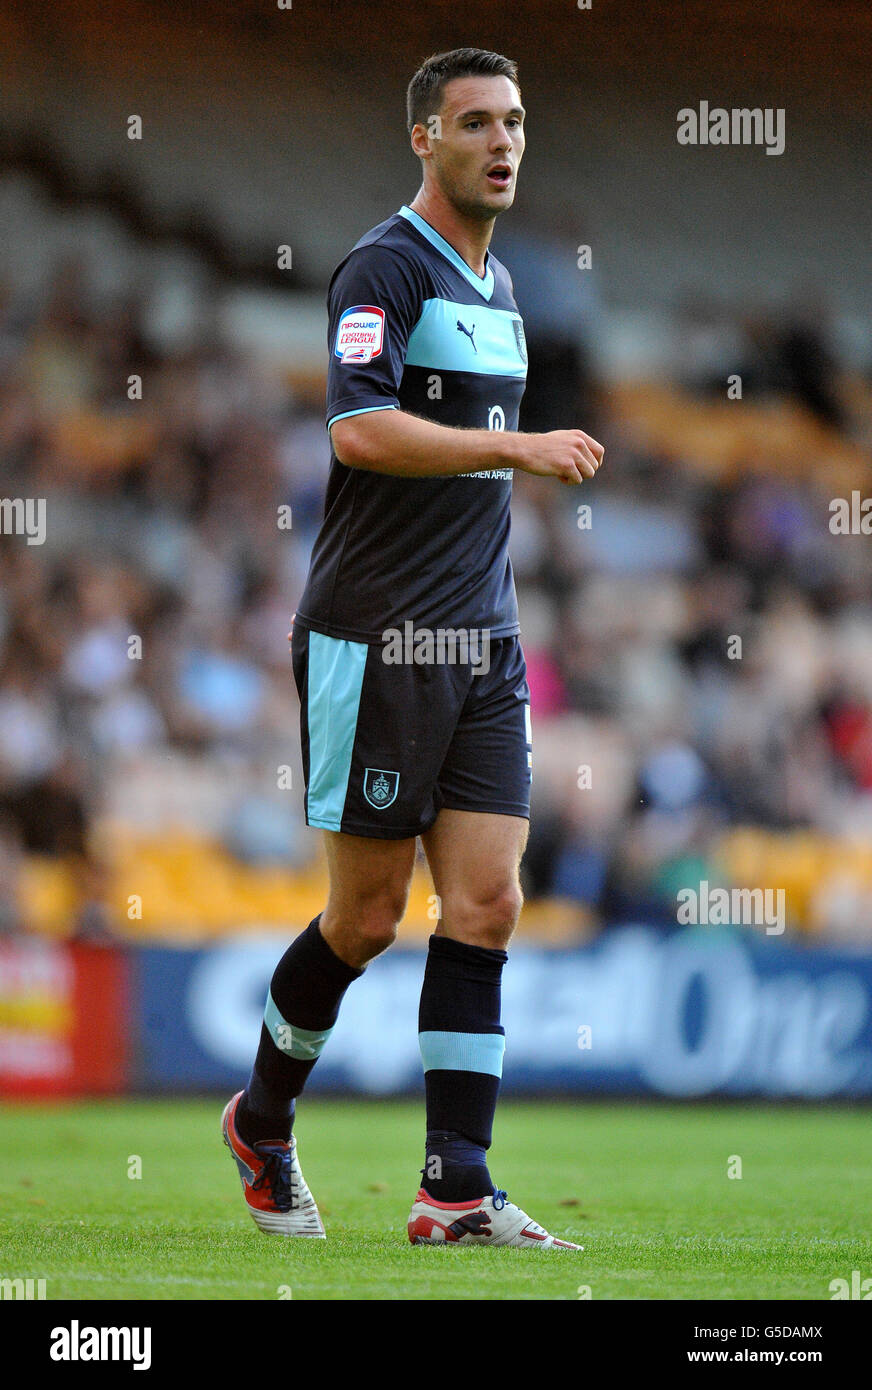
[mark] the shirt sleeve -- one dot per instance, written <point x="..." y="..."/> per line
<point x="373" y="304"/>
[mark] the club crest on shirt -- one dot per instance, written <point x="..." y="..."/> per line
<point x="361" y="333"/>
<point x="380" y="787"/>
<point x="520" y="339"/>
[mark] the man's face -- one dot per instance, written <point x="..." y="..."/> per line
<point x="482" y="126"/>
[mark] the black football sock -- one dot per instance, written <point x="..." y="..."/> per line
<point x="301" y="1010"/>
<point x="462" y="1044"/>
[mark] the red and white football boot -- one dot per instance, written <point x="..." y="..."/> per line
<point x="490" y="1220"/>
<point x="278" y="1200"/>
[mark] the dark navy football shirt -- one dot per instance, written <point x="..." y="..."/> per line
<point x="412" y="327"/>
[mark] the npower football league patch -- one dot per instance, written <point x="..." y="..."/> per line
<point x="361" y="333"/>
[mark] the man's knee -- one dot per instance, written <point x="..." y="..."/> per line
<point x="365" y="923"/>
<point x="375" y="922"/>
<point x="486" y="916"/>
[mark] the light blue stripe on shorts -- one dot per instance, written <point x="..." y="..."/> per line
<point x="335" y="681"/>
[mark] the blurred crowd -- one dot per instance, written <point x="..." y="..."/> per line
<point x="700" y="651"/>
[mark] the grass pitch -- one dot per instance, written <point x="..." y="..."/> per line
<point x="644" y="1188"/>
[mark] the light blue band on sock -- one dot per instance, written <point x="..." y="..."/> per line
<point x="288" y="1038"/>
<point x="463" y="1052"/>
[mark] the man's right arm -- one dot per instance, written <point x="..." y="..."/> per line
<point x="407" y="446"/>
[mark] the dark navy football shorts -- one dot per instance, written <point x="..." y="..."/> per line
<point x="387" y="745"/>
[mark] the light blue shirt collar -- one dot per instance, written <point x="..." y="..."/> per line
<point x="484" y="284"/>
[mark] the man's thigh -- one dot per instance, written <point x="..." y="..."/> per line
<point x="362" y="869"/>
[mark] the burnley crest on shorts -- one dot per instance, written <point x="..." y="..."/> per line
<point x="380" y="787"/>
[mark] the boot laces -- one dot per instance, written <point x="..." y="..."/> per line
<point x="278" y="1175"/>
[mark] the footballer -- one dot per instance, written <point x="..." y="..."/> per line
<point x="427" y="365"/>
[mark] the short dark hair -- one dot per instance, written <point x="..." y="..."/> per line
<point x="424" y="93"/>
